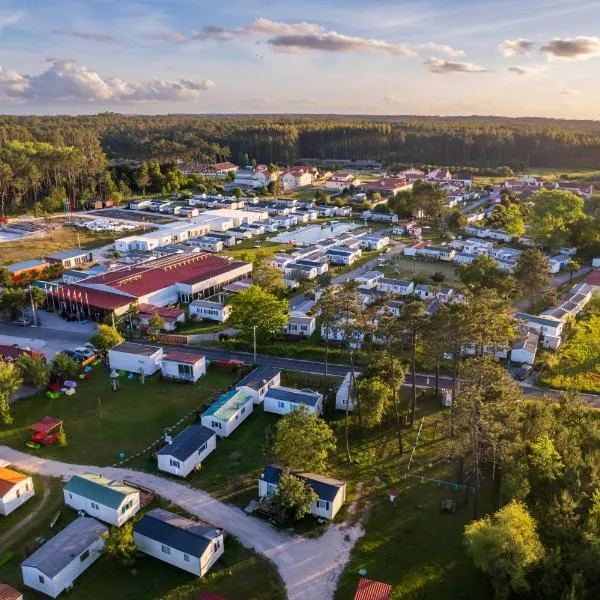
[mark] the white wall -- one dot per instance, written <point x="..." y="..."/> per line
<point x="341" y="396"/>
<point x="170" y="368"/>
<point x="16" y="496"/>
<point x="53" y="587"/>
<point x="282" y="407"/>
<point x="186" y="467"/>
<point x="114" y="516"/>
<point x="134" y="362"/>
<point x="522" y="355"/>
<point x="196" y="565"/>
<point x="258" y="395"/>
<point x="227" y="427"/>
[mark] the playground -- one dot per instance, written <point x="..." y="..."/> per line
<point x="102" y="425"/>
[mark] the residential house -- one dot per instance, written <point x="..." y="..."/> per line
<point x="369" y="279"/>
<point x="106" y="500"/>
<point x="341" y="181"/>
<point x="177" y="365"/>
<point x="412" y="174"/>
<point x="548" y="327"/>
<point x="70" y="258"/>
<point x="345" y="397"/>
<point x="300" y="325"/>
<point x="374" y="242"/>
<point x="438" y="175"/>
<point x="15" y="489"/>
<point x="207" y="243"/>
<point x="189" y="545"/>
<point x="228" y="412"/>
<point x="395" y="286"/>
<point x="253" y="178"/>
<point x="524" y="348"/>
<point x="257" y="382"/>
<point x="54" y="567"/>
<point x="379" y="217"/>
<point x="386" y="186"/>
<point x="414" y="248"/>
<point x="282" y="400"/>
<point x="331" y="493"/>
<point x="297" y="177"/>
<point x="212" y="309"/>
<point x="186" y="451"/>
<point x="341" y="255"/>
<point x="32" y="265"/>
<point x="425" y="292"/>
<point x="135" y="358"/>
<point x="171" y="316"/>
<point x="220" y="170"/>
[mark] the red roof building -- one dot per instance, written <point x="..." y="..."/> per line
<point x="389" y="185"/>
<point x="372" y="590"/>
<point x="9" y="593"/>
<point x="593" y="278"/>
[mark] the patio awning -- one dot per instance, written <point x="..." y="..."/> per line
<point x="45" y="425"/>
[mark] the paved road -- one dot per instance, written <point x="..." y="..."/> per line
<point x="310" y="568"/>
<point x="396" y="248"/>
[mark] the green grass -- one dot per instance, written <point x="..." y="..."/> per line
<point x="401" y="266"/>
<point x="132" y="418"/>
<point x="195" y="327"/>
<point x="237" y="571"/>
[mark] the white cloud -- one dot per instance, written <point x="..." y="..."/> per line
<point x="64" y="80"/>
<point x="261" y="27"/>
<point x="513" y="47"/>
<point x="571" y="92"/>
<point x="440" y="48"/>
<point x="8" y="17"/>
<point x="89" y="36"/>
<point x="520" y="70"/>
<point x="439" y="66"/>
<point x="577" y="48"/>
<point x="392" y="100"/>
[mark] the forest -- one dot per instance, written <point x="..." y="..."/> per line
<point x="42" y="156"/>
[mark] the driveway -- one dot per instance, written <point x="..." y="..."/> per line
<point x="396" y="248"/>
<point x="310" y="568"/>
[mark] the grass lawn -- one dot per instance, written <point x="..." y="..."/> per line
<point x="402" y="266"/>
<point x="237" y="571"/>
<point x="64" y="238"/>
<point x="194" y="327"/>
<point x="132" y="418"/>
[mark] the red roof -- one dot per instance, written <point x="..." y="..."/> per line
<point x="223" y="166"/>
<point x="183" y="357"/>
<point x="9" y="593"/>
<point x="372" y="590"/>
<point x="12" y="352"/>
<point x="593" y="278"/>
<point x="163" y="311"/>
<point x="141" y="280"/>
<point x="386" y="184"/>
<point x="94" y="298"/>
<point x="45" y="424"/>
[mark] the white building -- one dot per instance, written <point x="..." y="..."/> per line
<point x="207" y="243"/>
<point x="135" y="358"/>
<point x="189" y="545"/>
<point x="257" y="383"/>
<point x="282" y="400"/>
<point x="341" y="181"/>
<point x="331" y="492"/>
<point x="374" y="242"/>
<point x="341" y="255"/>
<point x="300" y="324"/>
<point x="213" y="310"/>
<point x="56" y="565"/>
<point x="99" y="497"/>
<point x="524" y="348"/>
<point x="345" y="397"/>
<point x="370" y="279"/>
<point x="186" y="451"/>
<point x="15" y="490"/>
<point x="379" y="217"/>
<point x="399" y="287"/>
<point x="548" y="327"/>
<point x="177" y="365"/>
<point x="254" y="178"/>
<point x="228" y="412"/>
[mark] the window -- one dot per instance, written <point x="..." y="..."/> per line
<point x="42" y="580"/>
<point x="185" y="371"/>
<point x="95" y="506"/>
<point x="243" y="410"/>
<point x="84" y="556"/>
<point x="165" y="549"/>
<point x="26" y="487"/>
<point x="323" y="504"/>
<point x="202" y="448"/>
<point x="174" y="463"/>
<point x="70" y="496"/>
<point x="18" y="493"/>
<point x="186" y="557"/>
<point x="280" y="404"/>
<point x="216" y="546"/>
<point x="217" y="425"/>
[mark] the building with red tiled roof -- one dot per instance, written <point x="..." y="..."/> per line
<point x="219" y="170"/>
<point x="386" y="186"/>
<point x="368" y="589"/>
<point x="8" y="592"/>
<point x="170" y="315"/>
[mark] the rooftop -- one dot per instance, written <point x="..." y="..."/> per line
<point x="528" y="342"/>
<point x="179" y="356"/>
<point x="66" y="546"/>
<point x="100" y="489"/>
<point x="8" y="592"/>
<point x="176" y="532"/>
<point x="307" y="397"/>
<point x="8" y="479"/>
<point x="368" y="589"/>
<point x="69" y="254"/>
<point x="227" y="405"/>
<point x="33" y="263"/>
<point x="259" y="377"/>
<point x="187" y="442"/>
<point x="139" y="349"/>
<point x="325" y="487"/>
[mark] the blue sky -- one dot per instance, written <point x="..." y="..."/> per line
<point x="509" y="57"/>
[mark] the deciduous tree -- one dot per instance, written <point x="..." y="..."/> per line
<point x="269" y="278"/>
<point x="120" y="545"/>
<point x="10" y="382"/>
<point x="293" y="498"/>
<point x="33" y="370"/>
<point x="532" y="271"/>
<point x="106" y="338"/>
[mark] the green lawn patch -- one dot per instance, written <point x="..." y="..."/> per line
<point x="406" y="267"/>
<point x="101" y="423"/>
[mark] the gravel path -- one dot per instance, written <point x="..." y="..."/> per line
<point x="310" y="568"/>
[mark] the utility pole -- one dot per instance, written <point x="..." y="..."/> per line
<point x="254" y="335"/>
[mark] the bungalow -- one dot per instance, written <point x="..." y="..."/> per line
<point x="341" y="255"/>
<point x="345" y="397"/>
<point x="374" y="242"/>
<point x="186" y="451"/>
<point x="285" y="222"/>
<point x="15" y="489"/>
<point x="340" y="333"/>
<point x="300" y="324"/>
<point x="396" y="286"/>
<point x="379" y="217"/>
<point x="425" y="292"/>
<point x="547" y="326"/>
<point x="138" y="204"/>
<point x="342" y="211"/>
<point x="500" y="235"/>
<point x="463" y="258"/>
<point x="524" y="348"/>
<point x="70" y="258"/>
<point x="135" y="358"/>
<point x="188" y="211"/>
<point x="183" y="366"/>
<point x="257" y="382"/>
<point x="280" y="261"/>
<point x="331" y="493"/>
<point x="210" y="309"/>
<point x="99" y="497"/>
<point x="207" y="243"/>
<point x="414" y="248"/>
<point x="301" y="272"/>
<point x="318" y="262"/>
<point x="170" y="316"/>
<point x="282" y="400"/>
<point x="229" y="240"/>
<point x="240" y="234"/>
<point x="341" y="181"/>
<point x="189" y="545"/>
<point x="429" y="252"/>
<point x="56" y="565"/>
<point x="253" y="228"/>
<point x="324" y="211"/>
<point x="445" y="294"/>
<point x="227" y="412"/>
<point x="27" y="266"/>
<point x="412" y="174"/>
<point x="370" y="279"/>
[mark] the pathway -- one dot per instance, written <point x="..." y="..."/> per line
<point x="309" y="567"/>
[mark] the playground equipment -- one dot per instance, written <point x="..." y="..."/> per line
<point x="42" y="431"/>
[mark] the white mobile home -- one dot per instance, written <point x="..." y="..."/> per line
<point x="189" y="545"/>
<point x="258" y="382"/>
<point x="15" y="490"/>
<point x="187" y="450"/>
<point x="345" y="397"/>
<point x="56" y="565"/>
<point x="524" y="348"/>
<point x="300" y="324"/>
<point x="135" y="358"/>
<point x="213" y="310"/>
<point x="331" y="492"/>
<point x="99" y="497"/>
<point x="227" y="412"/>
<point x="183" y="366"/>
<point x="282" y="400"/>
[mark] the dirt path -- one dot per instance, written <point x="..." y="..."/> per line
<point x="7" y="537"/>
<point x="307" y="566"/>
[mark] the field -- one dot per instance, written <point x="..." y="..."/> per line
<point x="238" y="570"/>
<point x="409" y="267"/>
<point x="101" y="423"/>
<point x="64" y="238"/>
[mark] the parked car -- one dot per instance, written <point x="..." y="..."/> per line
<point x="23" y="322"/>
<point x="523" y="372"/>
<point x="84" y="351"/>
<point x="90" y="347"/>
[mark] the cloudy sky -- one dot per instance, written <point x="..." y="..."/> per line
<point x="506" y="57"/>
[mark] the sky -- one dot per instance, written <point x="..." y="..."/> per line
<point x="422" y="57"/>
